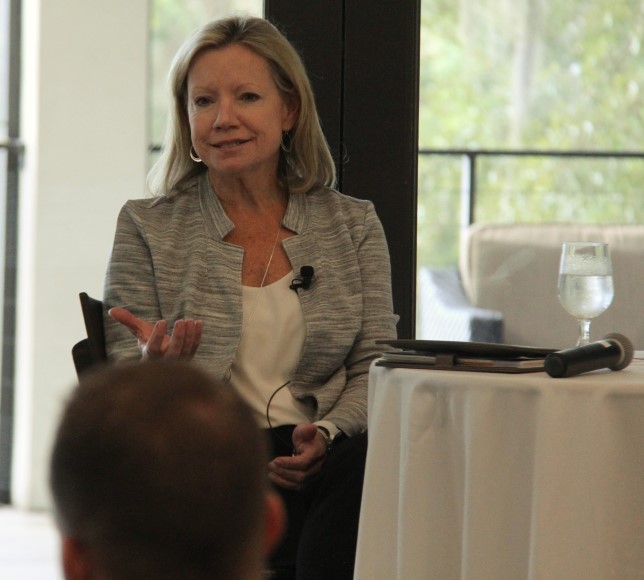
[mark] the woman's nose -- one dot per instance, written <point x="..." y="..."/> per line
<point x="225" y="116"/>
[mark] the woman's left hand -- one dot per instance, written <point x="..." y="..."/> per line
<point x="307" y="460"/>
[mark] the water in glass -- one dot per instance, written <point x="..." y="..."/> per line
<point x="585" y="282"/>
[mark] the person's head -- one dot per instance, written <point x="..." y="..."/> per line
<point x="159" y="471"/>
<point x="306" y="164"/>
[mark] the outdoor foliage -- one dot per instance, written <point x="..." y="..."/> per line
<point x="537" y="75"/>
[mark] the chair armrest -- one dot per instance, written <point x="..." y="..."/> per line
<point x="82" y="356"/>
<point x="444" y="312"/>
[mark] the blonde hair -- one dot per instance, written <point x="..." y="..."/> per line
<point x="308" y="163"/>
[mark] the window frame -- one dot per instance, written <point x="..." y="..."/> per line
<point x="14" y="153"/>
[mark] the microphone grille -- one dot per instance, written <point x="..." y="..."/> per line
<point x="627" y="349"/>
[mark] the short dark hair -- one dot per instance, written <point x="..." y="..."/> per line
<point x="161" y="470"/>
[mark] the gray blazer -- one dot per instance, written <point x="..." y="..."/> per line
<point x="169" y="261"/>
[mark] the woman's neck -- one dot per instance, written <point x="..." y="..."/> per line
<point x="253" y="195"/>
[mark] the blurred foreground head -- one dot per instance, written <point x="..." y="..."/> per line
<point x="159" y="471"/>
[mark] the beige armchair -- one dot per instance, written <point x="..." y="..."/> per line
<point x="509" y="273"/>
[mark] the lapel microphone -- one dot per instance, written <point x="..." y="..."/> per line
<point x="307" y="273"/>
<point x="614" y="352"/>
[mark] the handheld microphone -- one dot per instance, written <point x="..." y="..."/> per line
<point x="307" y="273"/>
<point x="614" y="352"/>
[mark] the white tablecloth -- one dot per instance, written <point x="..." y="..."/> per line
<point x="478" y="476"/>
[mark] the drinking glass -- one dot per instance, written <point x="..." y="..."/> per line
<point x="585" y="282"/>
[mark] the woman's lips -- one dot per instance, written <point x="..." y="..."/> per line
<point x="230" y="144"/>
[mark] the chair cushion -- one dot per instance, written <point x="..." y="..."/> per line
<point x="514" y="268"/>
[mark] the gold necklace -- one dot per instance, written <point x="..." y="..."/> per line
<point x="270" y="258"/>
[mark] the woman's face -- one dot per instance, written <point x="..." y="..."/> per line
<point x="237" y="114"/>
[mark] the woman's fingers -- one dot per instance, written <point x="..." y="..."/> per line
<point x="185" y="338"/>
<point x="177" y="339"/>
<point x="293" y="472"/>
<point x="192" y="338"/>
<point x="138" y="327"/>
<point x="156" y="343"/>
<point x="154" y="340"/>
<point x="288" y="473"/>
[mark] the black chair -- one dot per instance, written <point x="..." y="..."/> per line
<point x="91" y="350"/>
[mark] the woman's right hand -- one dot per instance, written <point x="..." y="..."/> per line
<point x="154" y="340"/>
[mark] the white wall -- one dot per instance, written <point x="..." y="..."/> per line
<point x="84" y="127"/>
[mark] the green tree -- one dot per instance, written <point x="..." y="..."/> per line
<point x="531" y="74"/>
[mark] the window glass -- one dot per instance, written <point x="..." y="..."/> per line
<point x="563" y="74"/>
<point x="536" y="75"/>
<point x="521" y="75"/>
<point x="4" y="69"/>
<point x="171" y="21"/>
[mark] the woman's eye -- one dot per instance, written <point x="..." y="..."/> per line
<point x="250" y="97"/>
<point x="201" y="101"/>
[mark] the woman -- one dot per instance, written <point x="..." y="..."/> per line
<point x="249" y="261"/>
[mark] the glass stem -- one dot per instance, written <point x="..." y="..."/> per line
<point x="584" y="332"/>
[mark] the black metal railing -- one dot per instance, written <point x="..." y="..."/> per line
<point x="469" y="167"/>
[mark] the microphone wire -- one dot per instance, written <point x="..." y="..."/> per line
<point x="268" y="418"/>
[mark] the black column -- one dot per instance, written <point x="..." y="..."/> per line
<point x="362" y="58"/>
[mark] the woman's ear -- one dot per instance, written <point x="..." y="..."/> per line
<point x="292" y="113"/>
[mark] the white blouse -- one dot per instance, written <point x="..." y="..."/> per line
<point x="269" y="349"/>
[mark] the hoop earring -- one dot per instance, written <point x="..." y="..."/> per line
<point x="286" y="143"/>
<point x="194" y="155"/>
